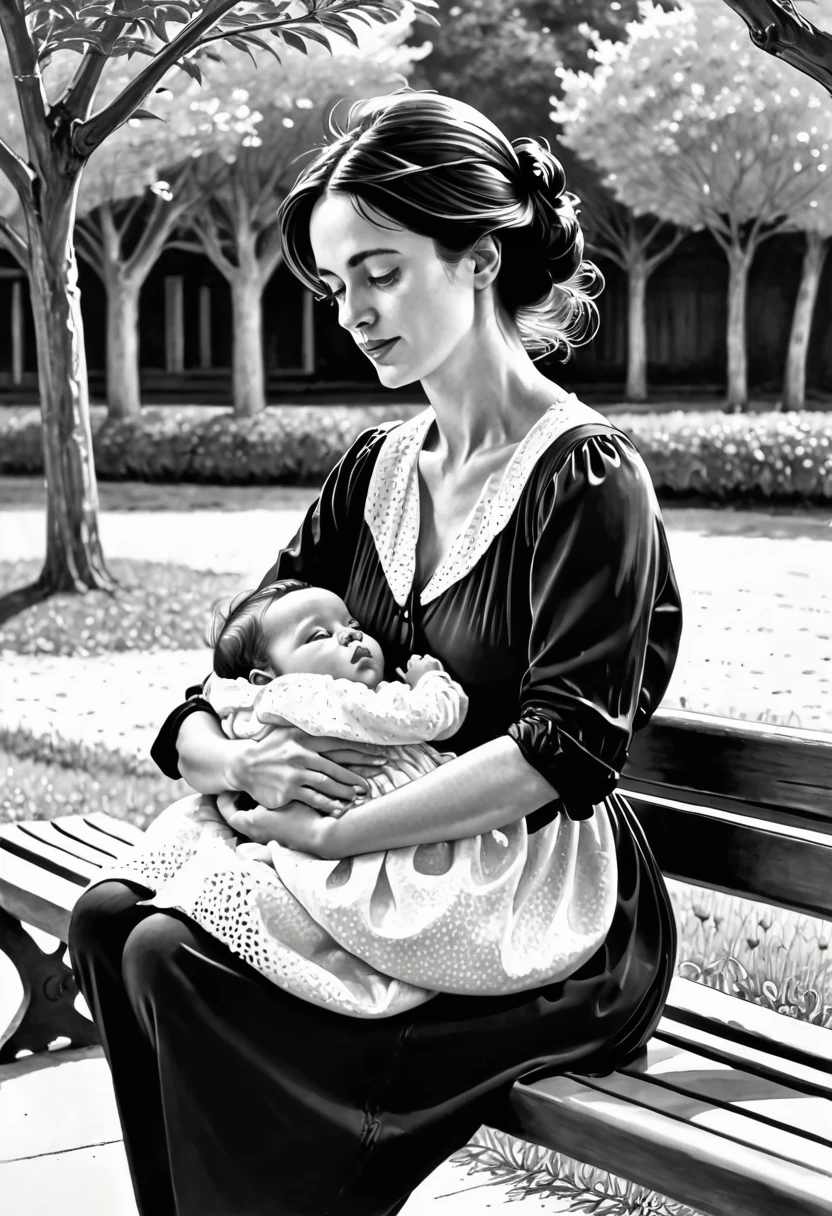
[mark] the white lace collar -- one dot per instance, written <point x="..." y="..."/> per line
<point x="392" y="505"/>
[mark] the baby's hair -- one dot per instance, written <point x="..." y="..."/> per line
<point x="236" y="634"/>
<point x="441" y="169"/>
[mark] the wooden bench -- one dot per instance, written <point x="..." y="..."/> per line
<point x="730" y="1111"/>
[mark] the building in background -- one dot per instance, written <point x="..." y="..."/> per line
<point x="185" y="333"/>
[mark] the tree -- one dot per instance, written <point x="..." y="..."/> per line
<point x="486" y="43"/>
<point x="638" y="244"/>
<point x="61" y="132"/>
<point x="687" y="127"/>
<point x="784" y="32"/>
<point x="133" y="194"/>
<point x="234" y="223"/>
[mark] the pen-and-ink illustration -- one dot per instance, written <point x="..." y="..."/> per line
<point x="415" y="599"/>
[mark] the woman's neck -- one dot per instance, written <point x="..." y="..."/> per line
<point x="487" y="396"/>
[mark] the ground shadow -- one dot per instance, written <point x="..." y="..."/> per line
<point x="15" y="601"/>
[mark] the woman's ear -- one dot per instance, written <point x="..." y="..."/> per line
<point x="487" y="255"/>
<point x="258" y="676"/>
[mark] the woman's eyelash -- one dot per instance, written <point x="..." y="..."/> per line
<point x="382" y="280"/>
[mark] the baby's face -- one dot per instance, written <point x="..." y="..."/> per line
<point x="312" y="630"/>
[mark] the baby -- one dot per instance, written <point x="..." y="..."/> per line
<point x="382" y="932"/>
<point x="291" y="654"/>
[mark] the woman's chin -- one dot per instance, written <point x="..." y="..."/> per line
<point x="392" y="376"/>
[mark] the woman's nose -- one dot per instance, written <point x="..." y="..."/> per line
<point x="355" y="309"/>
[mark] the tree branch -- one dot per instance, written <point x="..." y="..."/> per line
<point x="86" y="136"/>
<point x="17" y="171"/>
<point x="15" y="244"/>
<point x="154" y="237"/>
<point x="205" y="227"/>
<point x="776" y="27"/>
<point x="664" y="253"/>
<point x="79" y="93"/>
<point x="89" y="245"/>
<point x="26" y="74"/>
<point x="270" y="255"/>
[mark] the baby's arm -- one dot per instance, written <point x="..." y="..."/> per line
<point x="391" y="713"/>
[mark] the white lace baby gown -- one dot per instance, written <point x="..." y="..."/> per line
<point x="188" y="855"/>
<point x="489" y="914"/>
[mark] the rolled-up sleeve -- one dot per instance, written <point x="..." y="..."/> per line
<point x="603" y="601"/>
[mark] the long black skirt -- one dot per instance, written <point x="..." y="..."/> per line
<point x="237" y="1099"/>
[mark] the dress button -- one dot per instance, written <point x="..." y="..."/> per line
<point x="406" y="615"/>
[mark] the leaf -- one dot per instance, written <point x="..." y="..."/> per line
<point x="340" y="26"/>
<point x="146" y="114"/>
<point x="293" y="40"/>
<point x="313" y="35"/>
<point x="190" y="69"/>
<point x="239" y="44"/>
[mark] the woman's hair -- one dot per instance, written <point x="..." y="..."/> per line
<point x="236" y="634"/>
<point x="439" y="168"/>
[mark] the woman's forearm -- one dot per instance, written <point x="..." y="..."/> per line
<point x="487" y="788"/>
<point x="206" y="756"/>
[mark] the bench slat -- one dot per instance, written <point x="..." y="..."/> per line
<point x="687" y="1162"/>
<point x="776" y="771"/>
<point x="764" y="1062"/>
<point x="806" y="1122"/>
<point x="744" y="1022"/>
<point x="45" y="830"/>
<point x="29" y="846"/>
<point x="694" y="1110"/>
<point x="738" y="854"/>
<point x="77" y="830"/>
<point x="33" y="895"/>
<point x="126" y="832"/>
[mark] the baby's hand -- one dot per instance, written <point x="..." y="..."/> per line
<point x="418" y="665"/>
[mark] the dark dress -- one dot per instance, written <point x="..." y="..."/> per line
<point x="243" y="1100"/>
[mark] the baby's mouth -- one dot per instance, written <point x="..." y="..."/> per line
<point x="360" y="652"/>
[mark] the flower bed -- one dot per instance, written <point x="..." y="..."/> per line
<point x="722" y="457"/>
<point x="294" y="445"/>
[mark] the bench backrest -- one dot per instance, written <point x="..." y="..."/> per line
<point x="742" y="807"/>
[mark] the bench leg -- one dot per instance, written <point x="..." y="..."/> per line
<point x="49" y="989"/>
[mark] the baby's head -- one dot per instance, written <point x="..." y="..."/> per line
<point x="291" y="626"/>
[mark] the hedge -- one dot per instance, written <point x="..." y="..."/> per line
<point x="767" y="457"/>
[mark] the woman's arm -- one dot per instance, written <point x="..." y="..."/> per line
<point x="486" y="788"/>
<point x="207" y="758"/>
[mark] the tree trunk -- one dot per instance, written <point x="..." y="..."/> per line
<point x="74" y="559"/>
<point x="636" y="388"/>
<point x="248" y="375"/>
<point x="739" y="262"/>
<point x="794" y="386"/>
<point x="123" y="389"/>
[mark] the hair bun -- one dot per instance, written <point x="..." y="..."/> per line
<point x="540" y="169"/>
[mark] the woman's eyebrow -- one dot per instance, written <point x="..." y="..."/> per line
<point x="357" y="259"/>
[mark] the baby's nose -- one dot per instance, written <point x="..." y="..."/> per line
<point x="350" y="634"/>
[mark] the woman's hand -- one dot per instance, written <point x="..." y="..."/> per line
<point x="289" y="765"/>
<point x="295" y="825"/>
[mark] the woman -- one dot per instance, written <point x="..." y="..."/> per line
<point x="512" y="533"/>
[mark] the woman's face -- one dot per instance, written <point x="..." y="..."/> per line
<point x="408" y="311"/>
<point x="312" y="630"/>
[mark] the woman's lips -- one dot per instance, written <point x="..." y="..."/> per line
<point x="380" y="348"/>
